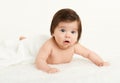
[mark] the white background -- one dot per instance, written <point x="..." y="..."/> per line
<point x="100" y="20"/>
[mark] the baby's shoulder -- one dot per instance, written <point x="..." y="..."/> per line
<point x="48" y="43"/>
<point x="78" y="46"/>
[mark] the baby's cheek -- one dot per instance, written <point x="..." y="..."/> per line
<point x="74" y="41"/>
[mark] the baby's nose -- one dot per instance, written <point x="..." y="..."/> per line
<point x="67" y="35"/>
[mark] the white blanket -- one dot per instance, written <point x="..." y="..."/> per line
<point x="13" y="51"/>
<point x="79" y="70"/>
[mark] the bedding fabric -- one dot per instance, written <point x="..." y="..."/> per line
<point x="17" y="66"/>
<point x="78" y="71"/>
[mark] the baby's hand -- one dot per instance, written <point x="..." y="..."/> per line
<point x="52" y="70"/>
<point x="104" y="64"/>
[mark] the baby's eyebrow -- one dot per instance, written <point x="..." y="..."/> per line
<point x="76" y="29"/>
<point x="61" y="26"/>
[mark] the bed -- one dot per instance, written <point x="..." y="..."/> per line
<point x="17" y="66"/>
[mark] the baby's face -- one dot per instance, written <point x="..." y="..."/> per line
<point x="66" y="34"/>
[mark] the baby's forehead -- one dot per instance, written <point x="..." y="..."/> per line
<point x="73" y="25"/>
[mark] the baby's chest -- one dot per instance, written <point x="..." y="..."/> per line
<point x="62" y="54"/>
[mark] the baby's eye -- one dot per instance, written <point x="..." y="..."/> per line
<point x="73" y="32"/>
<point x="62" y="30"/>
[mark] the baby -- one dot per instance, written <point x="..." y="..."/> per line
<point x="66" y="30"/>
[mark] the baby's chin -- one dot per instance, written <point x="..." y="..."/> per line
<point x="66" y="46"/>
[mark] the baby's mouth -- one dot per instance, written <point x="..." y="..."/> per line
<point x="66" y="41"/>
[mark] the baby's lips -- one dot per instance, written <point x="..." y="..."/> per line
<point x="67" y="41"/>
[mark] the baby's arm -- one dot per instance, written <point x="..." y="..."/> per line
<point x="41" y="59"/>
<point x="96" y="59"/>
<point x="79" y="49"/>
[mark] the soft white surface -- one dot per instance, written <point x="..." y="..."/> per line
<point x="78" y="71"/>
<point x="17" y="66"/>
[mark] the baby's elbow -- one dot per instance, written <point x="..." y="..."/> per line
<point x="87" y="55"/>
<point x="37" y="65"/>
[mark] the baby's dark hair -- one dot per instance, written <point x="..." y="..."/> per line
<point x="66" y="15"/>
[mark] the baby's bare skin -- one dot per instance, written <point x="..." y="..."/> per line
<point x="56" y="55"/>
<point x="65" y="30"/>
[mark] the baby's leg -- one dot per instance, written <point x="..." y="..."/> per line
<point x="22" y="37"/>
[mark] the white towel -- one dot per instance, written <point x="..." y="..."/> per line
<point x="17" y="51"/>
